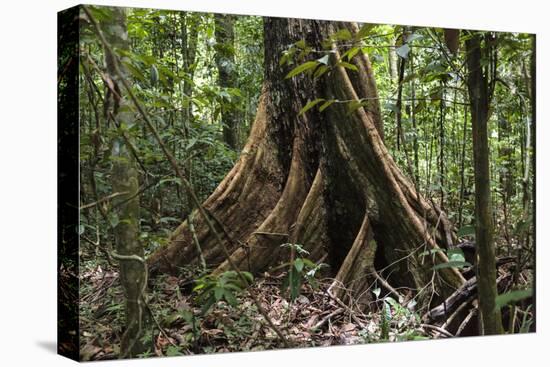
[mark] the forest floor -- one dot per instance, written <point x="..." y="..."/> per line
<point x="180" y="328"/>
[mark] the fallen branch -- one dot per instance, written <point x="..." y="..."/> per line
<point x="326" y="318"/>
<point x="466" y="320"/>
<point x="440" y="330"/>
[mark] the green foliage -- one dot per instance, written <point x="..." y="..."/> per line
<point x="466" y="231"/>
<point x="455" y="256"/>
<point x="211" y="289"/>
<point x="512" y="297"/>
<point x="301" y="270"/>
<point x="310" y="105"/>
<point x="302" y="68"/>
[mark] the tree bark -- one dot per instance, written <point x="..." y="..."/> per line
<point x="324" y="180"/>
<point x="225" y="62"/>
<point x="480" y="94"/>
<point x="124" y="179"/>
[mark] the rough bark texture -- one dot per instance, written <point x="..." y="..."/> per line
<point x="225" y="62"/>
<point x="124" y="179"/>
<point x="324" y="180"/>
<point x="479" y="93"/>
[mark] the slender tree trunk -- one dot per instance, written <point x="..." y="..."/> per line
<point x="227" y="76"/>
<point x="402" y="62"/>
<point x="392" y="61"/>
<point x="324" y="180"/>
<point x="463" y="168"/>
<point x="124" y="179"/>
<point x="480" y="95"/>
<point x="413" y="118"/>
<point x="441" y="155"/>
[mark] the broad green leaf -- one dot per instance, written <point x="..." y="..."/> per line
<point x="249" y="277"/>
<point x="301" y="68"/>
<point x="308" y="263"/>
<point x="347" y="65"/>
<point x="320" y="71"/>
<point x="342" y="35"/>
<point x="218" y="293"/>
<point x="349" y="54"/>
<point x="455" y="255"/>
<point x="364" y="31"/>
<point x="230" y="297"/>
<point x="512" y="297"/>
<point x="299" y="264"/>
<point x="310" y="105"/>
<point x="295" y="284"/>
<point x="301" y="44"/>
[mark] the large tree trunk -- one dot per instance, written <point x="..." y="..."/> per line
<point x="324" y="180"/>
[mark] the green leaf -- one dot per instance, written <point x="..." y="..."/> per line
<point x="299" y="264"/>
<point x="364" y="31"/>
<point x="466" y="231"/>
<point x="301" y="44"/>
<point x="325" y="105"/>
<point x="403" y="51"/>
<point x="230" y="297"/>
<point x="456" y="255"/>
<point x="452" y="264"/>
<point x="113" y="220"/>
<point x="349" y="54"/>
<point x="320" y="71"/>
<point x="218" y="293"/>
<point x="295" y="284"/>
<point x="512" y="297"/>
<point x="249" y="277"/>
<point x="173" y="350"/>
<point x="342" y="35"/>
<point x="347" y="65"/>
<point x="310" y="105"/>
<point x="301" y="68"/>
<point x="308" y="263"/>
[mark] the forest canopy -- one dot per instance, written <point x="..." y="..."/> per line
<point x="251" y="183"/>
